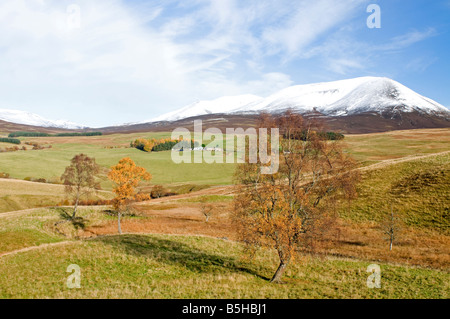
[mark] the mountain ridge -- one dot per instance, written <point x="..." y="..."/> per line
<point x="337" y="98"/>
<point x="353" y="104"/>
<point x="28" y="118"/>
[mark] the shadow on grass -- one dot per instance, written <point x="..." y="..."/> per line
<point x="77" y="222"/>
<point x="176" y="253"/>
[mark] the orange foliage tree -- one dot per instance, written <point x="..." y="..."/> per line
<point x="126" y="176"/>
<point x="292" y="208"/>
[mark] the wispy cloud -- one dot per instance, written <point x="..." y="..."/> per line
<point x="420" y="64"/>
<point x="405" y="40"/>
<point x="131" y="57"/>
<point x="307" y="22"/>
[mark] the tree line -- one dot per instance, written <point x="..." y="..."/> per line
<point x="154" y="145"/>
<point x="304" y="135"/>
<point x="39" y="134"/>
<point x="10" y="140"/>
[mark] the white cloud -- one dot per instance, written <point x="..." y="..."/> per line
<point x="308" y="21"/>
<point x="127" y="59"/>
<point x="119" y="63"/>
<point x="343" y="66"/>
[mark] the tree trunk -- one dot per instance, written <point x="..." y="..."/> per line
<point x="75" y="208"/>
<point x="279" y="273"/>
<point x="120" y="229"/>
<point x="390" y="245"/>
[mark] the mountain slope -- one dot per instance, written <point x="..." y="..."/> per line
<point x="348" y="97"/>
<point x="27" y="118"/>
<point x="224" y="104"/>
<point x="339" y="98"/>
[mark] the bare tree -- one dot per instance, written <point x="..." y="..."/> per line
<point x="292" y="208"/>
<point x="391" y="227"/>
<point x="158" y="191"/>
<point x="207" y="210"/>
<point x="79" y="178"/>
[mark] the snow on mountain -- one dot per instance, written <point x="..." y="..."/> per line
<point x="224" y="104"/>
<point x="27" y="118"/>
<point x="338" y="98"/>
<point x="346" y="97"/>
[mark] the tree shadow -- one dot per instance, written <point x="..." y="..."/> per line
<point x="77" y="222"/>
<point x="352" y="243"/>
<point x="175" y="253"/>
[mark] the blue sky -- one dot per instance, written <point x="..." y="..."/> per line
<point x="99" y="63"/>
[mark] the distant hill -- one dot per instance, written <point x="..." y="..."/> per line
<point x="334" y="99"/>
<point x="360" y="105"/>
<point x="27" y="118"/>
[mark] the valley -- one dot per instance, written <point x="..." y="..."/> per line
<point x="166" y="241"/>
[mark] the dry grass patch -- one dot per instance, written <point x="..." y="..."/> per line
<point x="185" y="219"/>
<point x="422" y="248"/>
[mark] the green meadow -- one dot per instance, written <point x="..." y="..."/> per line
<point x="37" y="245"/>
<point x="50" y="163"/>
<point x="109" y="149"/>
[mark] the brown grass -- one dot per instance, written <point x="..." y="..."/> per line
<point x="354" y="240"/>
<point x="185" y="219"/>
<point x="414" y="247"/>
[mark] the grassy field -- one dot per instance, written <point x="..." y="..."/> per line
<point x="372" y="148"/>
<point x="418" y="191"/>
<point x="170" y="251"/>
<point x="51" y="163"/>
<point x="19" y="195"/>
<point x="162" y="266"/>
<point x="109" y="149"/>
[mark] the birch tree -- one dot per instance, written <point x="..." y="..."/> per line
<point x="289" y="209"/>
<point x="126" y="176"/>
<point x="79" y="178"/>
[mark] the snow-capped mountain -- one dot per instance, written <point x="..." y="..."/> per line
<point x="27" y="118"/>
<point x="338" y="98"/>
<point x="224" y="104"/>
<point x="347" y="97"/>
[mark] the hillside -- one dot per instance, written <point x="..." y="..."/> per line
<point x="333" y="99"/>
<point x="349" y="97"/>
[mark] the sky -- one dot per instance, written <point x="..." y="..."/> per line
<point x="101" y="63"/>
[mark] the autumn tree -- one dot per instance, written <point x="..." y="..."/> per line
<point x="293" y="207"/>
<point x="79" y="178"/>
<point x="158" y="191"/>
<point x="126" y="177"/>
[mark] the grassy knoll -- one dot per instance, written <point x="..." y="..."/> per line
<point x="162" y="266"/>
<point x="371" y="148"/>
<point x="26" y="230"/>
<point x="419" y="191"/>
